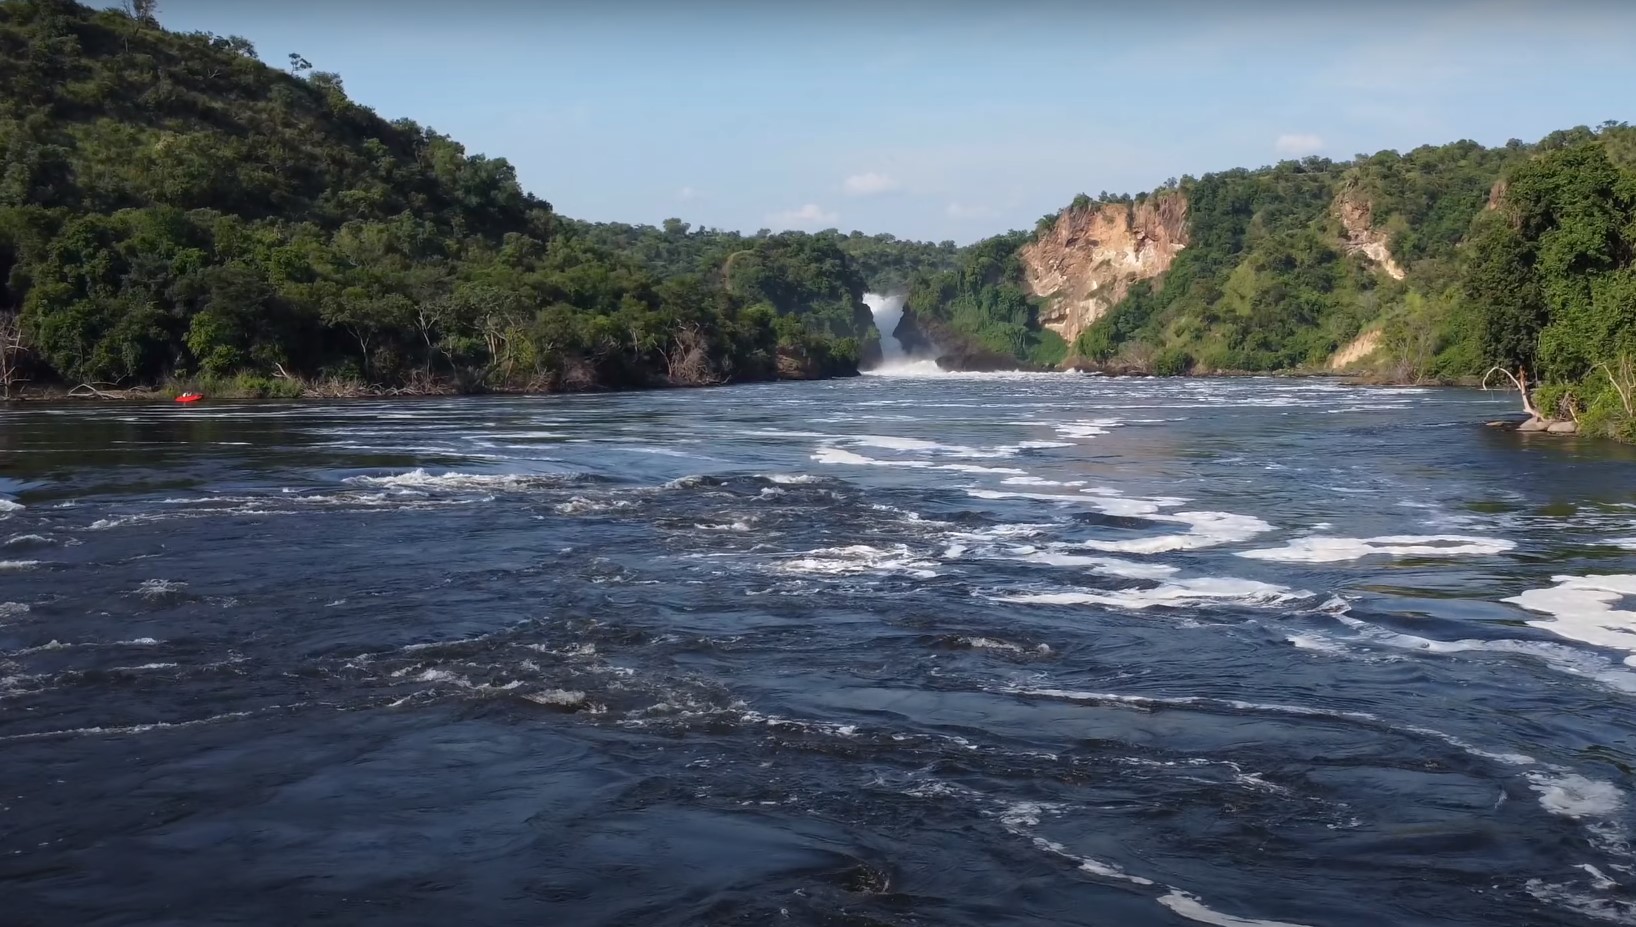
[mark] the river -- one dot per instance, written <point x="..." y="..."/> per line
<point x="950" y="650"/>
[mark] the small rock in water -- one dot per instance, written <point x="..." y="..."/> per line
<point x="1562" y="428"/>
<point x="1534" y="424"/>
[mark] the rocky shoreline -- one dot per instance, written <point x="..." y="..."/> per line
<point x="1540" y="426"/>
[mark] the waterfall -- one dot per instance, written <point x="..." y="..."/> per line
<point x="895" y="359"/>
<point x="888" y="311"/>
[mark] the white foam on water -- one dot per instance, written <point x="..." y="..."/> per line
<point x="27" y="539"/>
<point x="1087" y="429"/>
<point x="1110" y="566"/>
<point x="794" y="479"/>
<point x="919" y="368"/>
<point x="975" y="468"/>
<point x="521" y="435"/>
<point x="664" y="452"/>
<point x="580" y="505"/>
<point x="420" y="478"/>
<point x="836" y="455"/>
<point x="990" y="643"/>
<point x="780" y="433"/>
<point x="1601" y="879"/>
<point x="1574" y="796"/>
<point x="1582" y="609"/>
<point x="1017" y="817"/>
<point x="1625" y="543"/>
<point x="1105" y="500"/>
<point x="1208" y="529"/>
<point x="899" y="443"/>
<point x="1327" y="549"/>
<point x="436" y="675"/>
<point x="861" y="558"/>
<point x="13" y="609"/>
<point x="1189" y="906"/>
<point x="17" y="566"/>
<point x="7" y="506"/>
<point x="156" y="588"/>
<point x="811" y="727"/>
<point x="739" y="525"/>
<point x="1040" y="496"/>
<point x="1118" y="507"/>
<point x="1614" y="910"/>
<point x="1001" y="532"/>
<point x="561" y="698"/>
<point x="894" y="443"/>
<point x="1315" y="642"/>
<point x="1039" y="481"/>
<point x="1563" y="657"/>
<point x="1086" y="864"/>
<point x="829" y="454"/>
<point x="1171" y="594"/>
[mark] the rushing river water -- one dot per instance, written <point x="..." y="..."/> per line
<point x="949" y="650"/>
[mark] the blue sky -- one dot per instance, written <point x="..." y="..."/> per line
<point x="937" y="120"/>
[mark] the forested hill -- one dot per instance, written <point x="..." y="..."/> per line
<point x="172" y="208"/>
<point x="1436" y="265"/>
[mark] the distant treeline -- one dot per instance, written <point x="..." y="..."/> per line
<point x="173" y="208"/>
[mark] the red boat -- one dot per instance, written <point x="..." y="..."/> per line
<point x="189" y="397"/>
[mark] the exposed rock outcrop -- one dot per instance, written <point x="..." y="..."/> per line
<point x="1087" y="262"/>
<point x="929" y="337"/>
<point x="1358" y="222"/>
<point x="1355" y="350"/>
<point x="1539" y="426"/>
<point x="913" y="334"/>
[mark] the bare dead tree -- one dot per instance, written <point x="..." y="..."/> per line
<point x="12" y="350"/>
<point x="1624" y="382"/>
<point x="1520" y="381"/>
<point x="688" y="361"/>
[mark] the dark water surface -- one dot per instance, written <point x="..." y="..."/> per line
<point x="949" y="650"/>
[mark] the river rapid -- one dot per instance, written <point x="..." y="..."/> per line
<point x="953" y="650"/>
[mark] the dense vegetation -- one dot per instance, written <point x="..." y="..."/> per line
<point x="1551" y="277"/>
<point x="980" y="307"/>
<point x="1266" y="282"/>
<point x="1519" y="257"/>
<point x="885" y="262"/>
<point x="172" y="208"/>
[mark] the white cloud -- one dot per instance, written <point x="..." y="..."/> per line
<point x="1298" y="144"/>
<point x="963" y="211"/>
<point x="688" y="193"/>
<point x="809" y="215"/>
<point x="868" y="184"/>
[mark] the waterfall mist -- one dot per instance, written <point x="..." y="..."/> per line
<point x="888" y="311"/>
<point x="895" y="359"/>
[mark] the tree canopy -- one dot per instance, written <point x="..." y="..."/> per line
<point x="170" y="207"/>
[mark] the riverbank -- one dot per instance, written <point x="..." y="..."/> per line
<point x="253" y="386"/>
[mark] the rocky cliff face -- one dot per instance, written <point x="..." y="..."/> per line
<point x="1361" y="237"/>
<point x="1088" y="261"/>
<point x="1355" y="351"/>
